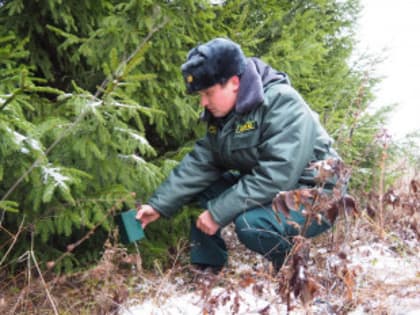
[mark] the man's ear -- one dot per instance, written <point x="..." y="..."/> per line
<point x="236" y="82"/>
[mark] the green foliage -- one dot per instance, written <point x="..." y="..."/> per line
<point x="360" y="145"/>
<point x="10" y="206"/>
<point x="74" y="156"/>
<point x="402" y="158"/>
<point x="31" y="20"/>
<point x="92" y="105"/>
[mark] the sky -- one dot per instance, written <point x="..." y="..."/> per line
<point x="392" y="28"/>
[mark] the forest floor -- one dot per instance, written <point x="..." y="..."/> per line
<point x="356" y="268"/>
<point x="363" y="275"/>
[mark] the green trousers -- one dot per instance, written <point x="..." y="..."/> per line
<point x="259" y="229"/>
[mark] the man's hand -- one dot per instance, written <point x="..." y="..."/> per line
<point x="146" y="214"/>
<point x="206" y="224"/>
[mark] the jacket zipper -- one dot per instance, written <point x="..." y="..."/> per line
<point x="223" y="136"/>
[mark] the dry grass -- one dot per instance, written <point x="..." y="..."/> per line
<point x="344" y="273"/>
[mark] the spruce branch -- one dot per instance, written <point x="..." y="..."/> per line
<point x="102" y="91"/>
<point x="11" y="98"/>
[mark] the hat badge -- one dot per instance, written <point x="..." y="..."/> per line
<point x="190" y="78"/>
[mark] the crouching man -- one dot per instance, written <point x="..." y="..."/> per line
<point x="261" y="137"/>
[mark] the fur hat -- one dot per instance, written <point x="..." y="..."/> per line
<point x="213" y="62"/>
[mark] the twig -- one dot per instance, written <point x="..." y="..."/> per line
<point x="138" y="260"/>
<point x="381" y="189"/>
<point x="15" y="237"/>
<point x="7" y="231"/>
<point x="44" y="283"/>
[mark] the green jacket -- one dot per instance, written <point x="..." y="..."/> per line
<point x="269" y="138"/>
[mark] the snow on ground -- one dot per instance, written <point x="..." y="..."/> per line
<point x="192" y="303"/>
<point x="393" y="279"/>
<point x="387" y="282"/>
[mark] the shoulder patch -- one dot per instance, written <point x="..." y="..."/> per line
<point x="246" y="126"/>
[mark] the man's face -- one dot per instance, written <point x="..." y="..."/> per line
<point x="220" y="99"/>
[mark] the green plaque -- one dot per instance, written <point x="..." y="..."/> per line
<point x="130" y="229"/>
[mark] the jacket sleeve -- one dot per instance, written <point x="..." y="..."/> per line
<point x="196" y="172"/>
<point x="286" y="144"/>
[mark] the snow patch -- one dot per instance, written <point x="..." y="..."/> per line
<point x="18" y="137"/>
<point x="134" y="157"/>
<point x="386" y="265"/>
<point x="21" y="139"/>
<point x="241" y="302"/>
<point x="381" y="265"/>
<point x="118" y="104"/>
<point x="135" y="136"/>
<point x="35" y="144"/>
<point x="54" y="173"/>
<point x="91" y="105"/>
<point x="2" y="100"/>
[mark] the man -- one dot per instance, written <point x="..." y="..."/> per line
<point x="260" y="138"/>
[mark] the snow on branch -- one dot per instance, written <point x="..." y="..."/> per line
<point x="21" y="139"/>
<point x="135" y="136"/>
<point x="54" y="173"/>
<point x="133" y="157"/>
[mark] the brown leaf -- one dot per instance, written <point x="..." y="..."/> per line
<point x="246" y="280"/>
<point x="323" y="201"/>
<point x="332" y="213"/>
<point x="348" y="204"/>
<point x="371" y="211"/>
<point x="414" y="185"/>
<point x="294" y="224"/>
<point x="327" y="169"/>
<point x="342" y="255"/>
<point x="391" y="198"/>
<point x="325" y="173"/>
<point x="279" y="205"/>
<point x="265" y="310"/>
<point x="348" y="276"/>
<point x="258" y="289"/>
<point x="235" y="305"/>
<point x="301" y="283"/>
<point x="292" y="199"/>
<point x="309" y="289"/>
